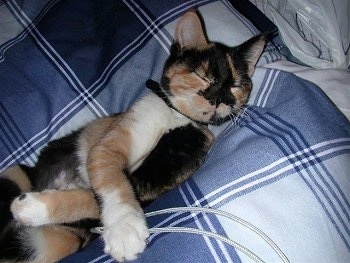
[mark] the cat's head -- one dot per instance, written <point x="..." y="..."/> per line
<point x="207" y="81"/>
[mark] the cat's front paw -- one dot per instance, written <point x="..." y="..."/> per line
<point x="126" y="238"/>
<point x="28" y="209"/>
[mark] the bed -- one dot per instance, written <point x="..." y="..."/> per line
<point x="275" y="186"/>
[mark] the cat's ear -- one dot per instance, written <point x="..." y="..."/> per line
<point x="251" y="51"/>
<point x="189" y="31"/>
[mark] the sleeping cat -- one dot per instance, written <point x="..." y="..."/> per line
<point x="108" y="169"/>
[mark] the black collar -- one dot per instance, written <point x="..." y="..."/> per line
<point x="155" y="87"/>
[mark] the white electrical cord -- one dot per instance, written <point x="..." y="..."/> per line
<point x="236" y="245"/>
<point x="189" y="230"/>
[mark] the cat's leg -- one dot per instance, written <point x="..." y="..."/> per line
<point x="125" y="228"/>
<point x="129" y="140"/>
<point x="19" y="177"/>
<point x="57" y="242"/>
<point x="176" y="157"/>
<point x="55" y="206"/>
<point x="40" y="244"/>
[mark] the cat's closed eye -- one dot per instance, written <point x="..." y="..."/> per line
<point x="207" y="81"/>
<point x="202" y="72"/>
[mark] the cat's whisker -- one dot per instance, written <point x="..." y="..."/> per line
<point x="236" y="119"/>
<point x="232" y="118"/>
<point x="246" y="114"/>
<point x="231" y="115"/>
<point x="237" y="114"/>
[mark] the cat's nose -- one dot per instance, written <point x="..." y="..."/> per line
<point x="215" y="102"/>
<point x="218" y="101"/>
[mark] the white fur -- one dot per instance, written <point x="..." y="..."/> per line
<point x="83" y="151"/>
<point x="125" y="229"/>
<point x="149" y="119"/>
<point x="30" y="210"/>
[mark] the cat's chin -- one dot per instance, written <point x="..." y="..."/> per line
<point x="217" y="121"/>
<point x="214" y="120"/>
<point x="207" y="118"/>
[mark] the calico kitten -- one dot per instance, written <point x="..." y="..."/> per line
<point x="109" y="168"/>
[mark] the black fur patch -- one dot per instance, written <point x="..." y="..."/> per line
<point x="8" y="191"/>
<point x="59" y="155"/>
<point x="86" y="225"/>
<point x="10" y="243"/>
<point x="177" y="155"/>
<point x="11" y="247"/>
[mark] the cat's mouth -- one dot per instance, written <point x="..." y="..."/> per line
<point x="211" y="114"/>
<point x="217" y="120"/>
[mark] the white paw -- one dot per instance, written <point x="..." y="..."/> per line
<point x="127" y="237"/>
<point x="29" y="210"/>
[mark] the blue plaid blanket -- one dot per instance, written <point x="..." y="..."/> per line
<point x="279" y="173"/>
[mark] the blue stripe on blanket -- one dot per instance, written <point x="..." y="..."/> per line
<point x="96" y="27"/>
<point x="221" y="251"/>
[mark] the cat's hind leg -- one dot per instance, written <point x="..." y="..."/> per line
<point x="44" y="244"/>
<point x="55" y="206"/>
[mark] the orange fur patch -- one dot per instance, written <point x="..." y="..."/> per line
<point x="18" y="176"/>
<point x="56" y="243"/>
<point x="95" y="130"/>
<point x="241" y="94"/>
<point x="183" y="81"/>
<point x="107" y="161"/>
<point x="196" y="107"/>
<point x="70" y="205"/>
<point x="200" y="102"/>
<point x="235" y="74"/>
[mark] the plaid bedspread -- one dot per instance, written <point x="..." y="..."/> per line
<point x="281" y="170"/>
